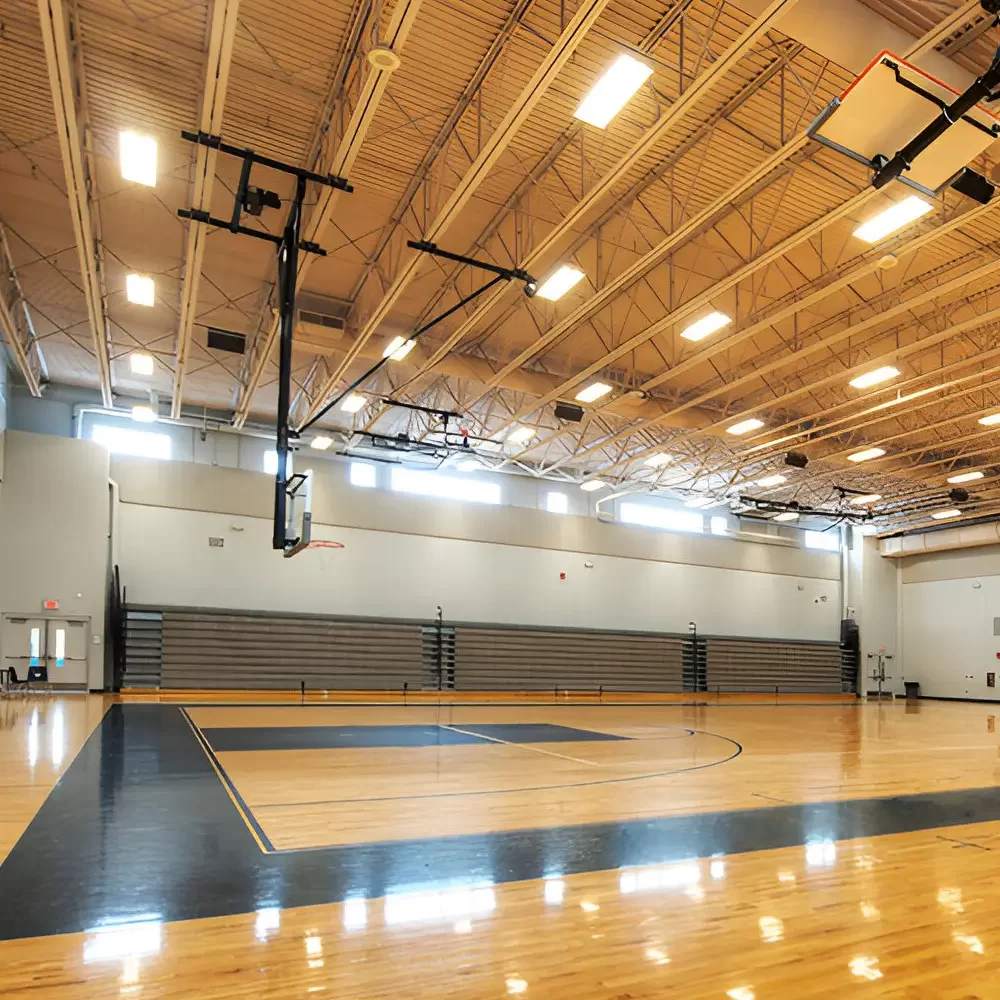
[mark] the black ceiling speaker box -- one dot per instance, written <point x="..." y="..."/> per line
<point x="796" y="459"/>
<point x="569" y="411"/>
<point x="958" y="495"/>
<point x="973" y="186"/>
<point x="226" y="340"/>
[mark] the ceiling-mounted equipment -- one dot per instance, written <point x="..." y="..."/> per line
<point x="958" y="495"/>
<point x="226" y="340"/>
<point x="569" y="411"/>
<point x="796" y="460"/>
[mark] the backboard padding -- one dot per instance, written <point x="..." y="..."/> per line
<point x="877" y="115"/>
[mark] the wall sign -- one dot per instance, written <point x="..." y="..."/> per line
<point x="216" y="543"/>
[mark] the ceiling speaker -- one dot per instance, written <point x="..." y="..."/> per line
<point x="569" y="411"/>
<point x="796" y="459"/>
<point x="958" y="495"/>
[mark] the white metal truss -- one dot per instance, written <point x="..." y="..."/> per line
<point x="15" y="322"/>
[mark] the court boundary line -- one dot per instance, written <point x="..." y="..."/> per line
<point x="250" y="821"/>
<point x="522" y="746"/>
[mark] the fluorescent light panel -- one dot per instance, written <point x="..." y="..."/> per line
<point x="140" y="289"/>
<point x="521" y="434"/>
<point x="745" y="426"/>
<point x="866" y="455"/>
<point x="144" y="414"/>
<point x="321" y="443"/>
<point x="353" y="403"/>
<point x="874" y="378"/>
<point x="965" y="477"/>
<point x="993" y="418"/>
<point x="706" y="326"/>
<point x="138" y="157"/>
<point x="788" y="515"/>
<point x="613" y="91"/>
<point x="470" y="465"/>
<point x="772" y="481"/>
<point x="559" y="283"/>
<point x="592" y="485"/>
<point x="141" y="364"/>
<point x="593" y="392"/>
<point x="398" y="348"/>
<point x="701" y="502"/>
<point x="943" y="515"/>
<point x="892" y="219"/>
<point x="659" y="460"/>
<point x="867" y="499"/>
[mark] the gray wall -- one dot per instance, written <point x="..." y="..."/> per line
<point x="4" y="389"/>
<point x="54" y="531"/>
<point x="405" y="555"/>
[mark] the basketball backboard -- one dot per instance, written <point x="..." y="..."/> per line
<point x="298" y="512"/>
<point x="889" y="104"/>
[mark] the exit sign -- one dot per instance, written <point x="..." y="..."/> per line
<point x="50" y="605"/>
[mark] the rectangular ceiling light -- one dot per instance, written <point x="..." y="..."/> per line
<point x="593" y="392"/>
<point x="321" y="443"/>
<point x="144" y="414"/>
<point x="353" y="403"/>
<point x="701" y="502"/>
<point x="943" y="515"/>
<point x="867" y="499"/>
<point x="874" y="378"/>
<point x="788" y="515"/>
<point x="745" y="426"/>
<point x="398" y="348"/>
<point x="772" y="481"/>
<point x="141" y="364"/>
<point x="613" y="91"/>
<point x="556" y="285"/>
<point x="993" y="418"/>
<point x="591" y="485"/>
<point x="892" y="219"/>
<point x="521" y="434"/>
<point x="140" y="289"/>
<point x="866" y="455"/>
<point x="658" y="460"/>
<point x="706" y="326"/>
<point x="965" y="477"/>
<point x="138" y="157"/>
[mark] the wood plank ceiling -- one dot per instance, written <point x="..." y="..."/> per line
<point x="703" y="194"/>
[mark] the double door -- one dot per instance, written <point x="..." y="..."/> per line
<point x="57" y="644"/>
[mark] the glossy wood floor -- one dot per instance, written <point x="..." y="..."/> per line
<point x="913" y="915"/>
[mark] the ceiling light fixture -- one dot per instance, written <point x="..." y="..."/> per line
<point x="866" y="455"/>
<point x="592" y="485"/>
<point x="772" y="481"/>
<point x="137" y="154"/>
<point x="141" y="364"/>
<point x="559" y="283"/>
<point x="470" y="465"/>
<point x="593" y="392"/>
<point x="658" y="460"/>
<point x="521" y="434"/>
<point x="892" y="219"/>
<point x="321" y="443"/>
<point x="398" y="348"/>
<point x="867" y="499"/>
<point x="613" y="91"/>
<point x="874" y="378"/>
<point x="706" y="326"/>
<point x="144" y="414"/>
<point x="788" y="515"/>
<point x="701" y="502"/>
<point x="140" y="289"/>
<point x="745" y="426"/>
<point x="353" y="403"/>
<point x="993" y="418"/>
<point x="965" y="477"/>
<point x="943" y="515"/>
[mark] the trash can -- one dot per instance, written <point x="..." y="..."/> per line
<point x="912" y="689"/>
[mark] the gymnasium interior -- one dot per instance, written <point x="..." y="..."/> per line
<point x="496" y="499"/>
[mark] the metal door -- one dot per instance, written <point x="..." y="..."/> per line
<point x="23" y="643"/>
<point x="58" y="644"/>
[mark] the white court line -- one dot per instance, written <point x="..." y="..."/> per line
<point x="525" y="746"/>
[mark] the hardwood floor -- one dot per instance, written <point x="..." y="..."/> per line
<point x="867" y="838"/>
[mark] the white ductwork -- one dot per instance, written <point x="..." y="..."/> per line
<point x="948" y="539"/>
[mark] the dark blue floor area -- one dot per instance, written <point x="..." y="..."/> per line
<point x="371" y="737"/>
<point x="141" y="828"/>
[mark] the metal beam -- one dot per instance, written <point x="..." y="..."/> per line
<point x="61" y="39"/>
<point x="222" y="33"/>
<point x="536" y="88"/>
<point x="403" y="16"/>
<point x="15" y="322"/>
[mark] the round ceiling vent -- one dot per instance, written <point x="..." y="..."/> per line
<point x="383" y="58"/>
<point x="887" y="262"/>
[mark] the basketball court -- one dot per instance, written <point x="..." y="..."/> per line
<point x="499" y="498"/>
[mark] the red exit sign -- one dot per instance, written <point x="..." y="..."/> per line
<point x="50" y="605"/>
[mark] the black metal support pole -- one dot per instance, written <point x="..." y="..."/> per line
<point x="288" y="267"/>
<point x="979" y="91"/>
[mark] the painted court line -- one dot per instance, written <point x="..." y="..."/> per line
<point x="523" y="746"/>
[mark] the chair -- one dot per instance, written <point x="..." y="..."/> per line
<point x="13" y="681"/>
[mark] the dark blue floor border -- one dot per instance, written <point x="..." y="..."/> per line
<point x="140" y="827"/>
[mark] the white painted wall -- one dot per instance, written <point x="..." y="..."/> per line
<point x="165" y="558"/>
